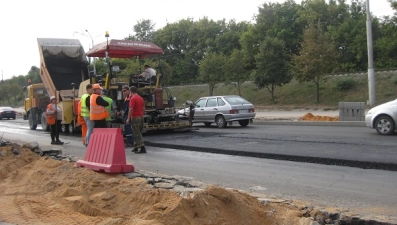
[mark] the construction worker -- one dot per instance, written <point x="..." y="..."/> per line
<point x="109" y="108"/>
<point x="88" y="127"/>
<point x="97" y="106"/>
<point x="135" y="118"/>
<point x="127" y="127"/>
<point x="54" y="119"/>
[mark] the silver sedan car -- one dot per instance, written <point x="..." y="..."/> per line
<point x="383" y="118"/>
<point x="222" y="110"/>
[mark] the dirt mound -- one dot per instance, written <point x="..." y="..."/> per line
<point x="311" y="117"/>
<point x="39" y="190"/>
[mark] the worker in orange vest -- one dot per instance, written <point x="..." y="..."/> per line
<point x="54" y="119"/>
<point x="98" y="112"/>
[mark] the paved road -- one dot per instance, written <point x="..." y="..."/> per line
<point x="368" y="192"/>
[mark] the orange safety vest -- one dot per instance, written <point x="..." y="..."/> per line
<point x="50" y="117"/>
<point x="97" y="112"/>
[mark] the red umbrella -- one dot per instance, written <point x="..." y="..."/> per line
<point x="125" y="49"/>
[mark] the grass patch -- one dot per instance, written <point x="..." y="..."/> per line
<point x="295" y="95"/>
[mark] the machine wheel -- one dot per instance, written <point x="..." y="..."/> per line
<point x="71" y="128"/>
<point x="44" y="124"/>
<point x="32" y="125"/>
<point x="385" y="125"/>
<point x="25" y="117"/>
<point x="220" y="122"/>
<point x="207" y="124"/>
<point x="243" y="123"/>
<point x="67" y="128"/>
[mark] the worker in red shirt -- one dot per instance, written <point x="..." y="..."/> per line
<point x="135" y="117"/>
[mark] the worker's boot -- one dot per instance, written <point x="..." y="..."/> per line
<point x="58" y="142"/>
<point x="141" y="150"/>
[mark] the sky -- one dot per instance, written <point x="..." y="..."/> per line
<point x="23" y="21"/>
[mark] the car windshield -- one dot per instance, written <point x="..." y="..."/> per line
<point x="236" y="100"/>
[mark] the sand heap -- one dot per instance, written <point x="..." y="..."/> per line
<point x="311" y="117"/>
<point x="40" y="190"/>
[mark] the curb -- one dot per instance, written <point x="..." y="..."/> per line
<point x="312" y="123"/>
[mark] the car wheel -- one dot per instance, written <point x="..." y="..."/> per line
<point x="207" y="124"/>
<point x="13" y="118"/>
<point x="220" y="122"/>
<point x="384" y="125"/>
<point x="243" y="123"/>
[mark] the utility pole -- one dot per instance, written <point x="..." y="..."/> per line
<point x="371" y="71"/>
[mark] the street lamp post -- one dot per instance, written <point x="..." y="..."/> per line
<point x="371" y="72"/>
<point x="92" y="42"/>
<point x="107" y="53"/>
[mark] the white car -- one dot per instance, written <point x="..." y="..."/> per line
<point x="222" y="110"/>
<point x="383" y="118"/>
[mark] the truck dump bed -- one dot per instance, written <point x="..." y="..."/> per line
<point x="62" y="62"/>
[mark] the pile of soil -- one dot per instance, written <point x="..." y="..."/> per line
<point x="41" y="190"/>
<point x="311" y="117"/>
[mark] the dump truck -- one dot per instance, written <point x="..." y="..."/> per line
<point x="63" y="68"/>
<point x="160" y="113"/>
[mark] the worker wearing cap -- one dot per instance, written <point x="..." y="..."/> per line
<point x="127" y="127"/>
<point x="98" y="112"/>
<point x="88" y="125"/>
<point x="109" y="108"/>
<point x="54" y="119"/>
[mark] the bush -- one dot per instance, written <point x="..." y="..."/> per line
<point x="345" y="84"/>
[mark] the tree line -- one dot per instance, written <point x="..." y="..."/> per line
<point x="286" y="41"/>
<point x="11" y="90"/>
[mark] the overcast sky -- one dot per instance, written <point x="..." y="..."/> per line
<point x="23" y="21"/>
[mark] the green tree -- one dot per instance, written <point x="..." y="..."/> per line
<point x="348" y="31"/>
<point x="14" y="91"/>
<point x="144" y="30"/>
<point x="318" y="56"/>
<point x="211" y="70"/>
<point x="235" y="70"/>
<point x="5" y="92"/>
<point x="274" y="20"/>
<point x="393" y="4"/>
<point x="272" y="65"/>
<point x="34" y="75"/>
<point x="385" y="45"/>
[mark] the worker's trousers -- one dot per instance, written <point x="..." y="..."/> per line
<point x="128" y="133"/>
<point x="90" y="129"/>
<point x="137" y="126"/>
